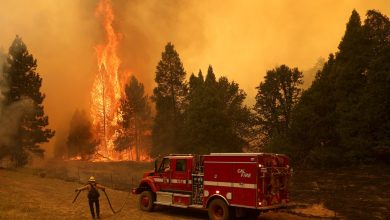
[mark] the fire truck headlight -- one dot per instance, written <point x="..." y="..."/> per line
<point x="229" y="195"/>
<point x="206" y="193"/>
<point x="260" y="203"/>
<point x="217" y="191"/>
<point x="260" y="165"/>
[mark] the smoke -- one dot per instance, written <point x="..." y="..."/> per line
<point x="241" y="39"/>
<point x="10" y="119"/>
<point x="3" y="85"/>
<point x="310" y="74"/>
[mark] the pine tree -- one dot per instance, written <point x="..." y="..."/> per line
<point x="25" y="83"/>
<point x="195" y="115"/>
<point x="313" y="131"/>
<point x="169" y="96"/>
<point x="216" y="119"/>
<point x="368" y="133"/>
<point x="343" y="116"/>
<point x="136" y="121"/>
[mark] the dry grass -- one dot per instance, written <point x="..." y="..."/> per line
<point x="46" y="192"/>
<point x="317" y="210"/>
<point x="28" y="196"/>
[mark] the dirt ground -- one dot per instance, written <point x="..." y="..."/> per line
<point x="47" y="193"/>
<point x="26" y="196"/>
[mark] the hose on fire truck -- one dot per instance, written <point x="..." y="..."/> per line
<point x="77" y="195"/>
<point x="123" y="204"/>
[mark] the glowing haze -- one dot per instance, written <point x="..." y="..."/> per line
<point x="241" y="39"/>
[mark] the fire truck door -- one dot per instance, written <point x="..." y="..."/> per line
<point x="165" y="173"/>
<point x="181" y="175"/>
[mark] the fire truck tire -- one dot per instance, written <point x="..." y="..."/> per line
<point x="146" y="201"/>
<point x="219" y="210"/>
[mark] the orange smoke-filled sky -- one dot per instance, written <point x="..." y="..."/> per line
<point x="240" y="39"/>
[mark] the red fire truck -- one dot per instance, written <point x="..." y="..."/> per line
<point x="228" y="185"/>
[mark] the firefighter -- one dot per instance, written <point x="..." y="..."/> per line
<point x="93" y="195"/>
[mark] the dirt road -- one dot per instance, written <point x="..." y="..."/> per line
<point x="26" y="196"/>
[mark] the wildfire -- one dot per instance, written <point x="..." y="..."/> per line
<point x="107" y="90"/>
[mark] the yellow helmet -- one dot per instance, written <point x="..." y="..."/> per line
<point x="91" y="179"/>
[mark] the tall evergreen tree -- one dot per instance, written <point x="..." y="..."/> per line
<point x="169" y="96"/>
<point x="365" y="134"/>
<point x="313" y="119"/>
<point x="342" y="116"/>
<point x="216" y="119"/>
<point x="195" y="115"/>
<point x="25" y="83"/>
<point x="136" y="115"/>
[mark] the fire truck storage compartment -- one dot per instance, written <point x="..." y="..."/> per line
<point x="181" y="200"/>
<point x="233" y="177"/>
<point x="197" y="188"/>
<point x="164" y="198"/>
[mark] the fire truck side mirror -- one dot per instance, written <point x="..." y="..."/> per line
<point x="155" y="166"/>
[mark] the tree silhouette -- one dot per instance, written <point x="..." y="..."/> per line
<point x="24" y="83"/>
<point x="169" y="96"/>
<point x="216" y="120"/>
<point x="275" y="100"/>
<point x="136" y="115"/>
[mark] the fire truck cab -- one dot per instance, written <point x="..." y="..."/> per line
<point x="228" y="185"/>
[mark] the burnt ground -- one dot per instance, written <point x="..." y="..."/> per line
<point x="47" y="192"/>
<point x="355" y="193"/>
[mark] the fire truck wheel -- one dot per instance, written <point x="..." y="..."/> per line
<point x="146" y="200"/>
<point x="218" y="210"/>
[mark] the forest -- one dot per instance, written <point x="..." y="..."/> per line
<point x="342" y="118"/>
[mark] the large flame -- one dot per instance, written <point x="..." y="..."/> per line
<point x="107" y="90"/>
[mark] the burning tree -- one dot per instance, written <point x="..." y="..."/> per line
<point x="106" y="91"/>
<point x="111" y="123"/>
